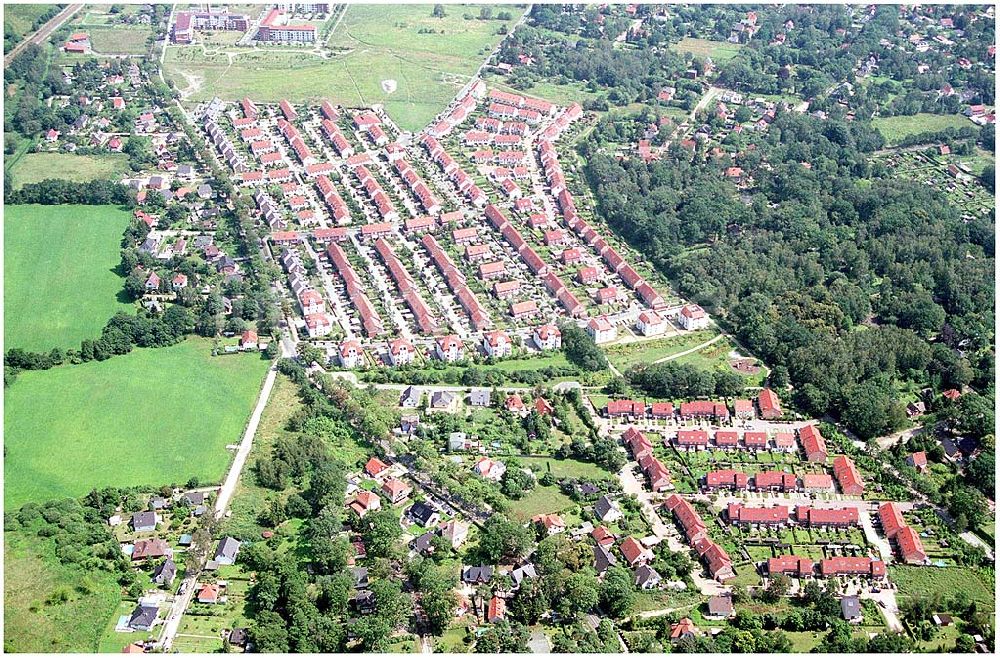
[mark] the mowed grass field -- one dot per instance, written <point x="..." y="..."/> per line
<point x="36" y="167"/>
<point x="151" y="417"/>
<point x="719" y="51"/>
<point x="894" y="129"/>
<point x="372" y="44"/>
<point x="59" y="281"/>
<point x="35" y="621"/>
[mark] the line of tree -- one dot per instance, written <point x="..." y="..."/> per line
<point x="55" y="192"/>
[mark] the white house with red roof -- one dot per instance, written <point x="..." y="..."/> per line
<point x="350" y="354"/>
<point x="448" y="349"/>
<point x="650" y="323"/>
<point x="601" y="330"/>
<point x="490" y="469"/>
<point x="400" y="352"/>
<point x="547" y="337"/>
<point x="248" y="340"/>
<point x="311" y="302"/>
<point x="497" y="344"/>
<point x="376" y="468"/>
<point x="693" y="317"/>
<point x="318" y="325"/>
<point x="179" y="281"/>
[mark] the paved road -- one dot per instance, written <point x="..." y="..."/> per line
<point x="976" y="540"/>
<point x="42" y="33"/>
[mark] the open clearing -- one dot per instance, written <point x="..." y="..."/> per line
<point x="152" y="417"/>
<point x="429" y="67"/>
<point x="60" y="285"/>
<point x="894" y="129"/>
<point x="36" y="167"/>
<point x="34" y="622"/>
<point x="917" y="581"/>
<point x="719" y="51"/>
<point x="120" y="39"/>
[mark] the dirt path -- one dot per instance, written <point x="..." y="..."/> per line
<point x="696" y="348"/>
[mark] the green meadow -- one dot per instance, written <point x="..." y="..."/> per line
<point x="60" y="286"/>
<point x="151" y="417"/>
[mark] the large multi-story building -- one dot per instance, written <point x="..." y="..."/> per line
<point x="188" y="21"/>
<point x="275" y="28"/>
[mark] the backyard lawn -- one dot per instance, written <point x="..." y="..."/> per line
<point x="541" y="500"/>
<point x="65" y="255"/>
<point x="152" y="417"/>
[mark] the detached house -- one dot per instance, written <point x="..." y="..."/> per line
<point x="601" y="330"/>
<point x="692" y="317"/>
<point x="496" y="344"/>
<point x="547" y="337"/>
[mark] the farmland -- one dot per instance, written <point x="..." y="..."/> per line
<point x="36" y="167"/>
<point x="73" y="272"/>
<point x="129" y="407"/>
<point x="427" y="67"/>
<point x="719" y="51"/>
<point x="37" y="616"/>
<point x="894" y="129"/>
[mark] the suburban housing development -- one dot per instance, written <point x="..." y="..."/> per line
<point x="612" y="328"/>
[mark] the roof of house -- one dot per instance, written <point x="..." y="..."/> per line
<point x="422" y="512"/>
<point x="850" y="607"/>
<point x="632" y="550"/>
<point x="228" y="548"/>
<point x="720" y="605"/>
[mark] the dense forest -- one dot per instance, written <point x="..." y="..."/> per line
<point x="857" y="283"/>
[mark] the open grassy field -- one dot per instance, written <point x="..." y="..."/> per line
<point x="152" y="417"/>
<point x="626" y="355"/>
<point x="719" y="51"/>
<point x="915" y="581"/>
<point x="429" y="59"/>
<point x="716" y="357"/>
<point x="561" y="94"/>
<point x="120" y="39"/>
<point x="566" y="468"/>
<point x="60" y="287"/>
<point x="36" y="167"/>
<point x="894" y="129"/>
<point x="35" y="619"/>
